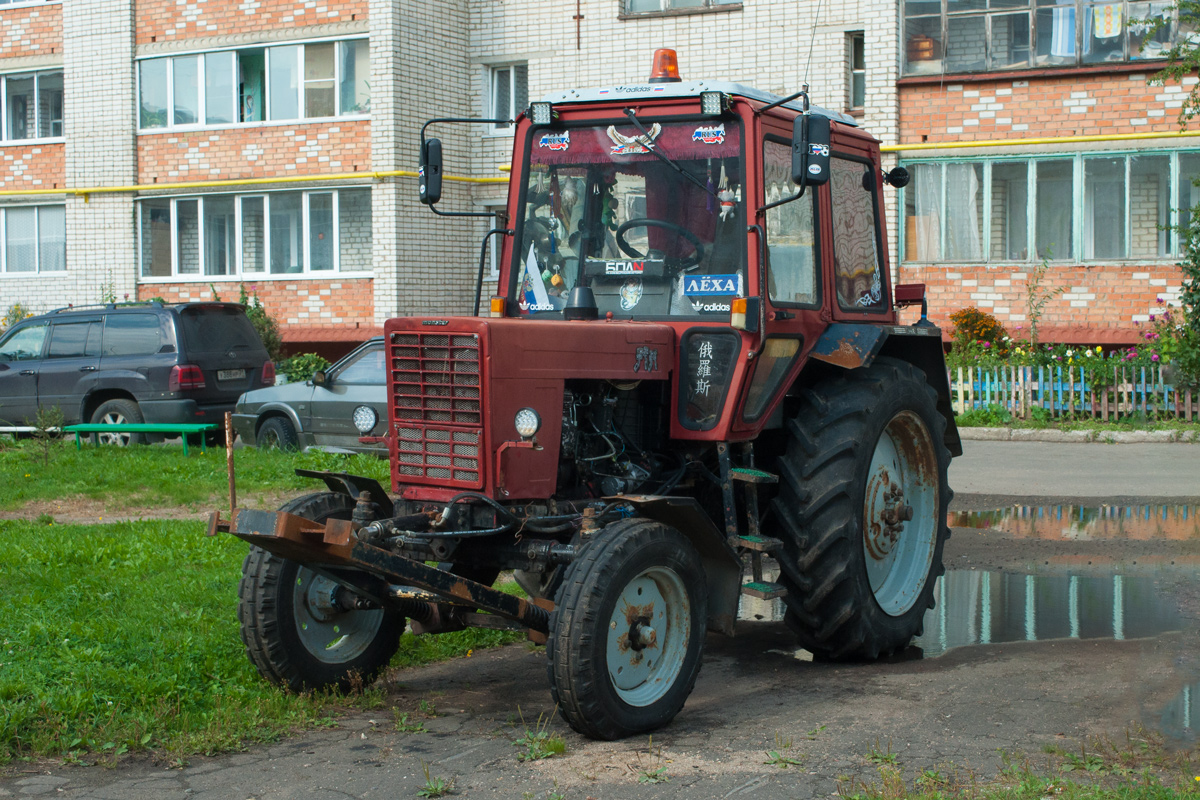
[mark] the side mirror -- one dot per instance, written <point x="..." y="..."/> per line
<point x="897" y="176"/>
<point x="320" y="379"/>
<point x="430" y="174"/>
<point x="810" y="150"/>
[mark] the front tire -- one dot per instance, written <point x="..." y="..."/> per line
<point x="865" y="451"/>
<point x="278" y="433"/>
<point x="627" y="631"/>
<point x="296" y="632"/>
<point x="118" y="412"/>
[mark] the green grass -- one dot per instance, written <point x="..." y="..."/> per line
<point x="124" y="637"/>
<point x="160" y="475"/>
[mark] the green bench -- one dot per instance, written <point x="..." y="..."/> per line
<point x="182" y="429"/>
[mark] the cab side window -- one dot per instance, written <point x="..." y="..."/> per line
<point x="25" y="344"/>
<point x="791" y="243"/>
<point x="856" y="267"/>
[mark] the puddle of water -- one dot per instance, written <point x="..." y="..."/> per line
<point x="1075" y="523"/>
<point x="979" y="607"/>
<point x="1180" y="718"/>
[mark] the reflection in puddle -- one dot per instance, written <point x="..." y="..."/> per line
<point x="976" y="607"/>
<point x="1067" y="522"/>
<point x="980" y="607"/>
<point x="1179" y="719"/>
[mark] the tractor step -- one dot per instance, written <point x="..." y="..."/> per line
<point x="751" y="475"/>
<point x="763" y="590"/>
<point x="762" y="544"/>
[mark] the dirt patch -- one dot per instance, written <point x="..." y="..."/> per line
<point x="82" y="510"/>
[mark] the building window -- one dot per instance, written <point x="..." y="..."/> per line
<point x="508" y="93"/>
<point x="1086" y="207"/>
<point x="228" y="87"/>
<point x="651" y="6"/>
<point x="33" y="239"/>
<point x="947" y="36"/>
<point x="256" y="235"/>
<point x="33" y="106"/>
<point x="857" y="76"/>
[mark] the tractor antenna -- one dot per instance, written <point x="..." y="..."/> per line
<point x="811" y="40"/>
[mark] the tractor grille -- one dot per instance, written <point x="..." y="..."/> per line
<point x="438" y="408"/>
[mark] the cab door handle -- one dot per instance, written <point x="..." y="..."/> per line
<point x="29" y="372"/>
<point x="87" y="369"/>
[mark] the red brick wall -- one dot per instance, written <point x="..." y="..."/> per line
<point x="307" y="309"/>
<point x="31" y="30"/>
<point x="265" y="151"/>
<point x="163" y="20"/>
<point x="1020" y="107"/>
<point x="1101" y="305"/>
<point x="32" y="166"/>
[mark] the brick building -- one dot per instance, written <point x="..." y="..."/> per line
<point x="1084" y="163"/>
<point x="173" y="148"/>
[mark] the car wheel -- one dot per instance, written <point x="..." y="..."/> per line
<point x="278" y="433"/>
<point x="118" y="412"/>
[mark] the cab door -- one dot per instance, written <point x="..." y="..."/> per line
<point x="794" y="292"/>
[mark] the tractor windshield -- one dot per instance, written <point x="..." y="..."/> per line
<point x="600" y="210"/>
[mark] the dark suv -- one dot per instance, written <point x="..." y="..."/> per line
<point x="132" y="362"/>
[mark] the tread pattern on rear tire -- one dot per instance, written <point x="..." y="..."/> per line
<point x="263" y="610"/>
<point x="575" y="648"/>
<point x="819" y="510"/>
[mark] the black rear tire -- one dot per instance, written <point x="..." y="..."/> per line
<point x="278" y="432"/>
<point x="858" y="582"/>
<point x="295" y="635"/>
<point x="627" y="632"/>
<point x="118" y="412"/>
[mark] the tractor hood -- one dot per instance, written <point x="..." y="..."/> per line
<point x="455" y="386"/>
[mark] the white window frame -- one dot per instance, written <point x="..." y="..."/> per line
<point x="37" y="76"/>
<point x="202" y="100"/>
<point x="491" y="110"/>
<point x="6" y="4"/>
<point x="668" y="5"/>
<point x="238" y="272"/>
<point x="37" y="239"/>
<point x="1079" y="205"/>
<point x="856" y="41"/>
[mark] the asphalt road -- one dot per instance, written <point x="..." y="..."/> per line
<point x="958" y="712"/>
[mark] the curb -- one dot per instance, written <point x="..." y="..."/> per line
<point x="1054" y="435"/>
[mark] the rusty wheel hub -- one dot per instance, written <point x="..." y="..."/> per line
<point x="900" y="507"/>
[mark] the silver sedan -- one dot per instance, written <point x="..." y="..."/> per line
<point x="330" y="411"/>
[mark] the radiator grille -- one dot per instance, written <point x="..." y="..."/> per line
<point x="437" y="405"/>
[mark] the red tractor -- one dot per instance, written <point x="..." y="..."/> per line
<point x="692" y="374"/>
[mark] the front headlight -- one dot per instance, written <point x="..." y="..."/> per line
<point x="365" y="419"/>
<point x="528" y="423"/>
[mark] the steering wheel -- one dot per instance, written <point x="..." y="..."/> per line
<point x="683" y="264"/>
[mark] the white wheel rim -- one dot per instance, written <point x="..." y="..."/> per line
<point x="119" y="439"/>
<point x="898" y="552"/>
<point x="648" y="636"/>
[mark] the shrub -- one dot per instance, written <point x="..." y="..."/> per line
<point x="301" y="366"/>
<point x="16" y="312"/>
<point x="974" y="325"/>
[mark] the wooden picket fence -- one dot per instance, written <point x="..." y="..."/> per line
<point x="1068" y="392"/>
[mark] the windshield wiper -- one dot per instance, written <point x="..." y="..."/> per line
<point x="663" y="157"/>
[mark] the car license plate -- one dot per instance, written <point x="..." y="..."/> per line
<point x="230" y="374"/>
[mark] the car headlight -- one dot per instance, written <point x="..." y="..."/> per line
<point x="528" y="423"/>
<point x="365" y="419"/>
